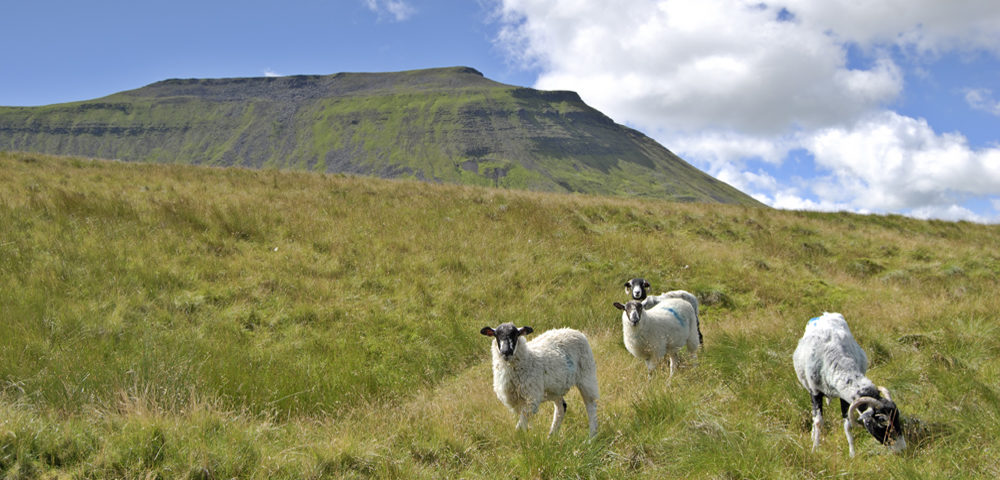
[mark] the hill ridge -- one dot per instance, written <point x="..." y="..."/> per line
<point x="445" y="125"/>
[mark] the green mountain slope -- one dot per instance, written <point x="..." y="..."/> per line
<point x="445" y="125"/>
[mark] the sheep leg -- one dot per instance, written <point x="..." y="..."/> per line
<point x="817" y="412"/>
<point x="590" y="394"/>
<point x="522" y="420"/>
<point x="650" y="366"/>
<point x="674" y="363"/>
<point x="527" y="411"/>
<point x="844" y="407"/>
<point x="557" y="415"/>
<point x="692" y="346"/>
<point x="592" y="416"/>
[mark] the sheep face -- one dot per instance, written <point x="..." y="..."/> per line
<point x="881" y="420"/>
<point x="879" y="415"/>
<point x="632" y="309"/>
<point x="637" y="288"/>
<point x="506" y="335"/>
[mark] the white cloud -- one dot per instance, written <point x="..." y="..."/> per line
<point x="949" y="212"/>
<point x="982" y="99"/>
<point x="925" y="27"/>
<point x="890" y="162"/>
<point x="398" y="10"/>
<point x="721" y="82"/>
<point x="271" y="73"/>
<point x="721" y="148"/>
<point x="689" y="65"/>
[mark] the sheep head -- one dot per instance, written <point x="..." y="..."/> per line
<point x="632" y="311"/>
<point x="881" y="418"/>
<point x="637" y="288"/>
<point x="506" y="335"/>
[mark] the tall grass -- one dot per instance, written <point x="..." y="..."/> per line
<point x="191" y="322"/>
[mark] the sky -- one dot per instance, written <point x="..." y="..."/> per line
<point x="868" y="106"/>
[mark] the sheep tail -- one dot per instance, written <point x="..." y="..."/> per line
<point x="697" y="324"/>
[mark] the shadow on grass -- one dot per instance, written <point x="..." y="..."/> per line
<point x="923" y="434"/>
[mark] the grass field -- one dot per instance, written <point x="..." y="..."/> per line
<point x="190" y="322"/>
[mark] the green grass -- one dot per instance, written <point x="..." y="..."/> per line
<point x="193" y="322"/>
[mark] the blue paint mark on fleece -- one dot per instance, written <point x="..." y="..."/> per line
<point x="570" y="364"/>
<point x="811" y="320"/>
<point x="678" y="317"/>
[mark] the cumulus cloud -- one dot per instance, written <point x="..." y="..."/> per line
<point x="691" y="65"/>
<point x="722" y="82"/>
<point x="398" y="10"/>
<point x="890" y="162"/>
<point x="271" y="73"/>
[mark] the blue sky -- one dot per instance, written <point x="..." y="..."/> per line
<point x="871" y="106"/>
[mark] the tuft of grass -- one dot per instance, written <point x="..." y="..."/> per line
<point x="176" y="321"/>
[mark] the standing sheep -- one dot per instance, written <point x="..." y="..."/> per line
<point x="638" y="289"/>
<point x="650" y="334"/>
<point x="525" y="374"/>
<point x="828" y="361"/>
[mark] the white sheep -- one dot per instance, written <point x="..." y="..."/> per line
<point x="686" y="296"/>
<point x="525" y="374"/>
<point x="638" y="289"/>
<point x="828" y="361"/>
<point x="650" y="334"/>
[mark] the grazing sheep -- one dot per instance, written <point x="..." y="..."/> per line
<point x="525" y="374"/>
<point x="828" y="361"/>
<point x="638" y="289"/>
<point x="650" y="334"/>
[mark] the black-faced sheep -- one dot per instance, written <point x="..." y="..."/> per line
<point x="638" y="289"/>
<point x="650" y="334"/>
<point x="525" y="374"/>
<point x="828" y="361"/>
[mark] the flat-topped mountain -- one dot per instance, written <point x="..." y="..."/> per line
<point x="444" y="125"/>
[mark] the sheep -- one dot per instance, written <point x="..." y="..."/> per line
<point x="638" y="288"/>
<point x="828" y="361"/>
<point x="651" y="334"/>
<point x="525" y="374"/>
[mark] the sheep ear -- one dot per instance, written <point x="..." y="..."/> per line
<point x="619" y="306"/>
<point x="628" y="284"/>
<point x="866" y="415"/>
<point x="525" y="330"/>
<point x="487" y="331"/>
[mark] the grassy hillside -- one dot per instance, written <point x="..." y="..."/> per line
<point x="443" y="125"/>
<point x="190" y="322"/>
